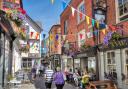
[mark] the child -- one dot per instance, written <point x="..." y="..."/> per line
<point x="85" y="80"/>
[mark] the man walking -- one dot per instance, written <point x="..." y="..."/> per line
<point x="48" y="78"/>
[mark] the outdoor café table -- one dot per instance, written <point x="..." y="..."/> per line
<point x="104" y="84"/>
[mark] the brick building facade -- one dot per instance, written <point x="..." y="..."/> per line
<point x="115" y="14"/>
<point x="55" y="45"/>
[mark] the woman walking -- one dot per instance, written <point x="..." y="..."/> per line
<point x="59" y="78"/>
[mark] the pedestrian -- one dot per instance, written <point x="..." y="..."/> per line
<point x="48" y="77"/>
<point x="85" y="80"/>
<point x="33" y="71"/>
<point x="41" y="70"/>
<point x="59" y="78"/>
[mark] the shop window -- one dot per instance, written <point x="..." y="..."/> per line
<point x="123" y="8"/>
<point x="111" y="64"/>
<point x="65" y="27"/>
<point x="126" y="65"/>
<point x="81" y="8"/>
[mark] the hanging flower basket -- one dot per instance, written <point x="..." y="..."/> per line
<point x="16" y="16"/>
<point x="22" y="35"/>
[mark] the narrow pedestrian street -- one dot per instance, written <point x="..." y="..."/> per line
<point x="44" y="43"/>
<point x="39" y="83"/>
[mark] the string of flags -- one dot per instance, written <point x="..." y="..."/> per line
<point x="102" y="27"/>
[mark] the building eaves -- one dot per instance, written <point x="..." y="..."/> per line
<point x="33" y="24"/>
<point x="57" y="25"/>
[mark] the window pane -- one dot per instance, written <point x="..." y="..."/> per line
<point x="113" y="54"/>
<point x="108" y="55"/>
<point x="121" y="10"/>
<point x="126" y="7"/>
<point x="109" y="61"/>
<point x="120" y="2"/>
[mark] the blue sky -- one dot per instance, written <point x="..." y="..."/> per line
<point x="44" y="11"/>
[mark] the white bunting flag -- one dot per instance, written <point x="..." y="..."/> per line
<point x="73" y="11"/>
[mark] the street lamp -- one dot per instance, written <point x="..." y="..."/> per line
<point x="99" y="10"/>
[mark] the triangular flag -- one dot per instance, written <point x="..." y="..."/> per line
<point x="93" y="22"/>
<point x="52" y="1"/>
<point x="87" y="19"/>
<point x="97" y="24"/>
<point x="81" y="15"/>
<point x="96" y="32"/>
<point x="81" y="36"/>
<point x="64" y="4"/>
<point x="57" y="37"/>
<point x="73" y="11"/>
<point x="51" y="37"/>
<point x="31" y="34"/>
<point x="104" y="31"/>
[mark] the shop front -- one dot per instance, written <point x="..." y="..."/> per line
<point x="87" y="61"/>
<point x="114" y="63"/>
<point x="6" y="42"/>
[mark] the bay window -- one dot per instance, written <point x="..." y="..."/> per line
<point x="123" y="9"/>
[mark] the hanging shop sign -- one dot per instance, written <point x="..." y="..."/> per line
<point x="10" y="4"/>
<point x="115" y="44"/>
<point x="82" y="55"/>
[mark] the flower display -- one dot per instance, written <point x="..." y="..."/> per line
<point x="17" y="16"/>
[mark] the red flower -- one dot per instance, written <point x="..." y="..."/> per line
<point x="21" y="10"/>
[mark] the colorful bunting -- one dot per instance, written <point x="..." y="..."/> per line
<point x="93" y="22"/>
<point x="73" y="11"/>
<point x="81" y="36"/>
<point x="89" y="34"/>
<point x="96" y="32"/>
<point x="37" y="35"/>
<point x="97" y="24"/>
<point x="51" y="37"/>
<point x="64" y="4"/>
<point x="57" y="37"/>
<point x="31" y="34"/>
<point x="87" y="19"/>
<point x="81" y="15"/>
<point x="104" y="31"/>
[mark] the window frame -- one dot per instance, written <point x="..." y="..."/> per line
<point x="65" y="27"/>
<point x="122" y="4"/>
<point x="111" y="64"/>
<point x="78" y="14"/>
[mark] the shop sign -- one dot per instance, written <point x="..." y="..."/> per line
<point x="82" y="55"/>
<point x="33" y="55"/>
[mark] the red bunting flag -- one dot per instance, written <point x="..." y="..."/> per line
<point x="31" y="34"/>
<point x="81" y="36"/>
<point x="81" y="15"/>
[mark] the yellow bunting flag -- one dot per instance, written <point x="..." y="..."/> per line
<point x="97" y="24"/>
<point x="104" y="31"/>
<point x="87" y="19"/>
<point x="52" y="1"/>
<point x="51" y="37"/>
<point x="73" y="11"/>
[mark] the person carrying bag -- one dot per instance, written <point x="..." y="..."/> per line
<point x="59" y="78"/>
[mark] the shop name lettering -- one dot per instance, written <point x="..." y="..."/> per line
<point x="81" y="55"/>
